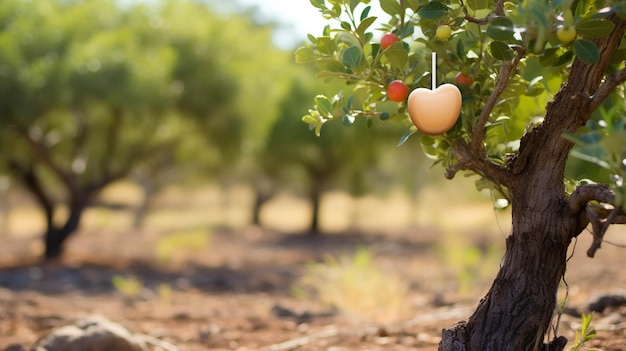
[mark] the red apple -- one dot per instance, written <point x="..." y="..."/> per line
<point x="397" y="91"/>
<point x="387" y="39"/>
<point x="463" y="79"/>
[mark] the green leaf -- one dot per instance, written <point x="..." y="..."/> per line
<point x="348" y="119"/>
<point x="586" y="51"/>
<point x="406" y="137"/>
<point x="549" y="57"/>
<point x="535" y="87"/>
<point x="460" y="50"/>
<point x="563" y="59"/>
<point x="406" y="31"/>
<point x="320" y="4"/>
<point x="324" y="105"/>
<point x="365" y="12"/>
<point x="326" y="45"/>
<point x="352" y="56"/>
<point x="591" y="138"/>
<point x="397" y="55"/>
<point x="501" y="51"/>
<point x="354" y="4"/>
<point x="594" y="28"/>
<point x="366" y="23"/>
<point x="391" y="7"/>
<point x="305" y="55"/>
<point x="620" y="9"/>
<point x="331" y="65"/>
<point x="618" y="56"/>
<point x="433" y="10"/>
<point x="501" y="29"/>
<point x="590" y="155"/>
<point x="583" y="8"/>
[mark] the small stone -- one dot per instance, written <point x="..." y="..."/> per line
<point x="94" y="333"/>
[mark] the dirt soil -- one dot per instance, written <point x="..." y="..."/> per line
<point x="235" y="294"/>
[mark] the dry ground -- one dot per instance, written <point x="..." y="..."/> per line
<point x="232" y="289"/>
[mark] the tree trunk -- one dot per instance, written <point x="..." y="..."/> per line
<point x="260" y="198"/>
<point x="148" y="188"/>
<point x="55" y="236"/>
<point x="315" y="196"/>
<point x="518" y="309"/>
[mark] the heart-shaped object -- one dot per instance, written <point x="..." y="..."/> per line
<point x="435" y="111"/>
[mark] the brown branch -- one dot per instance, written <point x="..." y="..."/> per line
<point x="599" y="228"/>
<point x="596" y="231"/>
<point x="33" y="184"/>
<point x="495" y="14"/>
<point x="619" y="218"/>
<point x="472" y="155"/>
<point x="506" y="71"/>
<point x="81" y="130"/>
<point x="599" y="215"/>
<point x="610" y="83"/>
<point x="42" y="152"/>
<point x="479" y="163"/>
<point x="112" y="137"/>
<point x="587" y="193"/>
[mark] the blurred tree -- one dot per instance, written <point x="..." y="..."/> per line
<point x="541" y="81"/>
<point x="92" y="92"/>
<point x="342" y="158"/>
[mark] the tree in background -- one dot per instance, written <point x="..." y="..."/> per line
<point x="341" y="158"/>
<point x="92" y="93"/>
<point x="538" y="79"/>
<point x="81" y="96"/>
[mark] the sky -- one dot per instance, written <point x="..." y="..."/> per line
<point x="297" y="18"/>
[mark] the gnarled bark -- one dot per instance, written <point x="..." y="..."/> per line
<point x="518" y="309"/>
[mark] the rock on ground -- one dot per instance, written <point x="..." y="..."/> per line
<point x="94" y="333"/>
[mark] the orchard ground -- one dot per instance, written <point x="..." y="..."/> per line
<point x="196" y="276"/>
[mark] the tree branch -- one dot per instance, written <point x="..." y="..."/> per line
<point x="610" y="83"/>
<point x="495" y="14"/>
<point x="506" y="71"/>
<point x="599" y="227"/>
<point x="42" y="152"/>
<point x="112" y="137"/>
<point x="587" y="193"/>
<point x="600" y="216"/>
<point x="479" y="163"/>
<point x="81" y="130"/>
<point x="472" y="155"/>
<point x="34" y="185"/>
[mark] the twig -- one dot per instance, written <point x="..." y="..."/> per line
<point x="42" y="152"/>
<point x="497" y="13"/>
<point x="610" y="83"/>
<point x="599" y="228"/>
<point x="506" y="71"/>
<point x="599" y="215"/>
<point x="596" y="231"/>
<point x="472" y="155"/>
<point x="589" y="192"/>
<point x="622" y="246"/>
